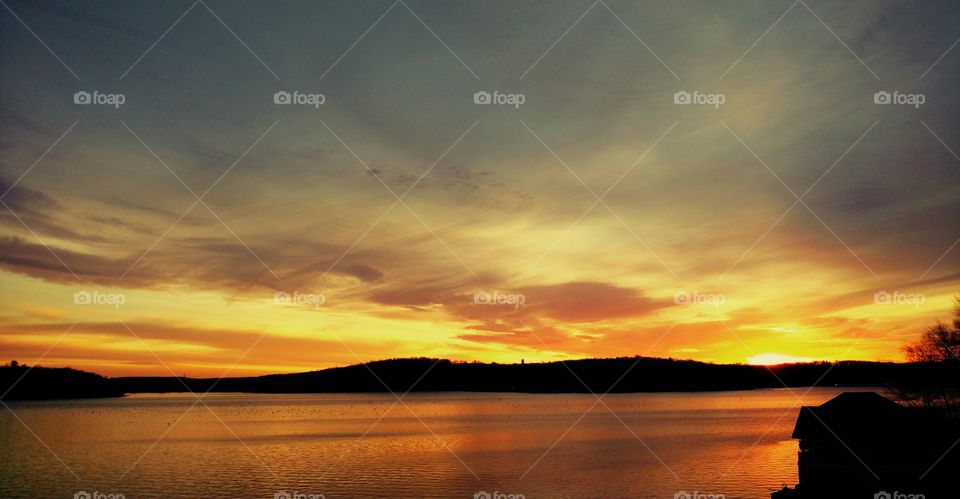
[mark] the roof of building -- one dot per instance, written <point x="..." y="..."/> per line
<point x="853" y="415"/>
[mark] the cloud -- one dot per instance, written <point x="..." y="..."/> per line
<point x="85" y="17"/>
<point x="55" y="265"/>
<point x="537" y="338"/>
<point x="363" y="272"/>
<point x="38" y="211"/>
<point x="196" y="346"/>
<point x="574" y="317"/>
<point x="576" y="302"/>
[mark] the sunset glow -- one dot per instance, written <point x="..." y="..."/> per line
<point x="207" y="228"/>
<point x="772" y="359"/>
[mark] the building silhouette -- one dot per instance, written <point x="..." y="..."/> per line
<point x="865" y="445"/>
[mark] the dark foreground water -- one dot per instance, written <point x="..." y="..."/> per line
<point x="437" y="445"/>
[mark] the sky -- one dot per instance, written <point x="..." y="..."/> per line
<point x="718" y="181"/>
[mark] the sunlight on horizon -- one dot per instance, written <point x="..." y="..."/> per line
<point x="772" y="359"/>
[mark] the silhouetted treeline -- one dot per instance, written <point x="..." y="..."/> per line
<point x="627" y="374"/>
<point x="22" y="382"/>
<point x="940" y="342"/>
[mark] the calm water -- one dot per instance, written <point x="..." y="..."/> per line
<point x="735" y="443"/>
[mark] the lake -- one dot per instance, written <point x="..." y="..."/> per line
<point x="433" y="445"/>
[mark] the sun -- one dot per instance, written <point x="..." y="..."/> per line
<point x="770" y="359"/>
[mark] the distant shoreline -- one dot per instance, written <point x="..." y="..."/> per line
<point x="616" y="375"/>
<point x="450" y="392"/>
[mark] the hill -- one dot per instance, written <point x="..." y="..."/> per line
<point x="19" y="382"/>
<point x="616" y="375"/>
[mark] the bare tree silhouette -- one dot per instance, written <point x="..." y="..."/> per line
<point x="939" y="345"/>
<point x="940" y="342"/>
